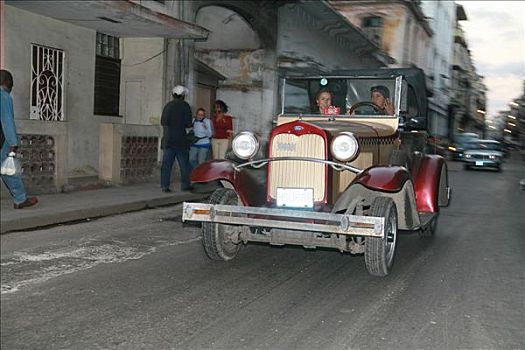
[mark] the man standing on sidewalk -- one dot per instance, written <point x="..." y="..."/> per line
<point x="9" y="143"/>
<point x="176" y="117"/>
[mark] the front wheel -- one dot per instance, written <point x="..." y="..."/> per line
<point x="219" y="240"/>
<point x="379" y="252"/>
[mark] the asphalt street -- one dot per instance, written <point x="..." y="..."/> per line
<point x="142" y="281"/>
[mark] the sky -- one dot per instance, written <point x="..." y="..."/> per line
<point x="496" y="39"/>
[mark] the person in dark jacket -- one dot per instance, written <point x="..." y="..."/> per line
<point x="176" y="117"/>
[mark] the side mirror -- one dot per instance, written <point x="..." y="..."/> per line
<point x="408" y="124"/>
<point x="401" y="124"/>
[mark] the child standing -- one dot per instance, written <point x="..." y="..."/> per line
<point x="201" y="128"/>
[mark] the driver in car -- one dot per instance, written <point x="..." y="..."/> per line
<point x="381" y="98"/>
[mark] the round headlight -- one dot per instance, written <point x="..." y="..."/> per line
<point x="344" y="147"/>
<point x="245" y="145"/>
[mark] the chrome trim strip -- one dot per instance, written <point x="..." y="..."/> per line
<point x="262" y="162"/>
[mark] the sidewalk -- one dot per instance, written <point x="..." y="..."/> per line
<point x="65" y="207"/>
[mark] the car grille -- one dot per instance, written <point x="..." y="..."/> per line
<point x="298" y="174"/>
<point x="479" y="157"/>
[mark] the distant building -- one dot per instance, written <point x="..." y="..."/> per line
<point x="442" y="18"/>
<point x="514" y="125"/>
<point x="468" y="100"/>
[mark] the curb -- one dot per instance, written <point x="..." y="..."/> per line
<point x="62" y="217"/>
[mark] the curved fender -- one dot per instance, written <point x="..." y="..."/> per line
<point x="426" y="183"/>
<point x="383" y="178"/>
<point x="214" y="170"/>
<point x="251" y="191"/>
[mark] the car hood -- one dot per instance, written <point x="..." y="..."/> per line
<point x="484" y="152"/>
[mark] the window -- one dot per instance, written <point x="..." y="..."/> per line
<point x="373" y="28"/>
<point x="107" y="75"/>
<point x="47" y="83"/>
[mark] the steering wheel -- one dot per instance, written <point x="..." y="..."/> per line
<point x="363" y="104"/>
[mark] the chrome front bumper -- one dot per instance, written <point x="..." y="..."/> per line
<point x="296" y="220"/>
<point x="491" y="163"/>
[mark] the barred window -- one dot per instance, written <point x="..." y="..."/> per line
<point x="107" y="75"/>
<point x="373" y="28"/>
<point x="108" y="46"/>
<point x="47" y="83"/>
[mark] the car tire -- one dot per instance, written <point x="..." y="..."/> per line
<point x="217" y="238"/>
<point x="466" y="167"/>
<point x="379" y="252"/>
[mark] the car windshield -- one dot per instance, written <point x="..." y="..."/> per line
<point x="466" y="138"/>
<point x="339" y="96"/>
<point x="489" y="146"/>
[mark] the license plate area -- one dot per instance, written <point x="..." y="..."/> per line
<point x="295" y="197"/>
<point x="479" y="163"/>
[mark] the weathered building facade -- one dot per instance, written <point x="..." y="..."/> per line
<point x="398" y="27"/>
<point x="441" y="16"/>
<point x="84" y="71"/>
<point x="468" y="98"/>
<point x="92" y="77"/>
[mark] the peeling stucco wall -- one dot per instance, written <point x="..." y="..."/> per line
<point x="142" y="70"/>
<point x="243" y="90"/>
<point x="301" y="39"/>
<point x="235" y="50"/>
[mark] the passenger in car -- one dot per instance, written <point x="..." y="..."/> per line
<point x="323" y="99"/>
<point x="381" y="98"/>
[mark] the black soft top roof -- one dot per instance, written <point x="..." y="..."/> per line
<point x="414" y="76"/>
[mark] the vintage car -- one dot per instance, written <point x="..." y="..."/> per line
<point x="483" y="154"/>
<point x="348" y="179"/>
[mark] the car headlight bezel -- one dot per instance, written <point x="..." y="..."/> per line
<point x="245" y="145"/>
<point x="345" y="147"/>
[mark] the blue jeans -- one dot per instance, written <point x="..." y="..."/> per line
<point x="167" y="163"/>
<point x="14" y="183"/>
<point x="198" y="155"/>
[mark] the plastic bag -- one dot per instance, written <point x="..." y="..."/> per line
<point x="10" y="166"/>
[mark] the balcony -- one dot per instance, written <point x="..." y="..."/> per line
<point x="121" y="18"/>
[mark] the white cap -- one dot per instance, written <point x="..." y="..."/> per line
<point x="179" y="90"/>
